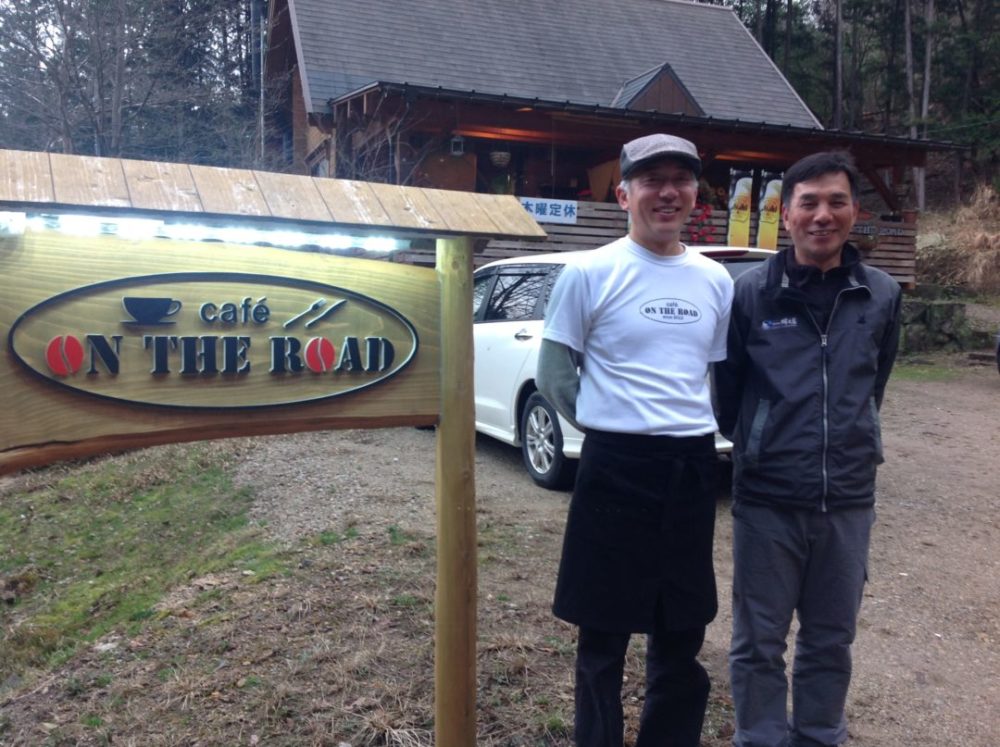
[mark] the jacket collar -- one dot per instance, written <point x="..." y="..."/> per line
<point x="775" y="281"/>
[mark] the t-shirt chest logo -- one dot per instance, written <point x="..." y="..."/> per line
<point x="670" y="311"/>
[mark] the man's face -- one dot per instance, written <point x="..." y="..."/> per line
<point x="819" y="218"/>
<point x="659" y="201"/>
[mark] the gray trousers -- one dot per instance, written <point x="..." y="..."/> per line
<point x="788" y="561"/>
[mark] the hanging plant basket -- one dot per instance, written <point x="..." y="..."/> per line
<point x="500" y="158"/>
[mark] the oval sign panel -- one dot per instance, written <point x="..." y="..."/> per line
<point x="213" y="340"/>
<point x="671" y="311"/>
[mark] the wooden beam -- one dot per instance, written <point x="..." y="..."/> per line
<point x="881" y="187"/>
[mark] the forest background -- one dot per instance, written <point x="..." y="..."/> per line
<point x="179" y="80"/>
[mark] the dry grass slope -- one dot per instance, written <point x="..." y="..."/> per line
<point x="962" y="249"/>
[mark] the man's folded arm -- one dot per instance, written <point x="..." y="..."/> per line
<point x="558" y="378"/>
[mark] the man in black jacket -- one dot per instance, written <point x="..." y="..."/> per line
<point x="812" y="339"/>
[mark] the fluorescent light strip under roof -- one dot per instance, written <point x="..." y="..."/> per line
<point x="138" y="229"/>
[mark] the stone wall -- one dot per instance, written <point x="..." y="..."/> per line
<point x="934" y="320"/>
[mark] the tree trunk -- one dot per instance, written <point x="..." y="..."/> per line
<point x="838" y="67"/>
<point x="788" y="38"/>
<point x="855" y="112"/>
<point x="973" y="65"/>
<point x="925" y="101"/>
<point x="908" y="47"/>
<point x="918" y="176"/>
<point x="119" y="34"/>
<point x="921" y="172"/>
<point x="890" y="66"/>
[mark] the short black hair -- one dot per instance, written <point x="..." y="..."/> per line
<point x="817" y="165"/>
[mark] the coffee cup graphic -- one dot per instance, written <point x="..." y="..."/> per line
<point x="150" y="309"/>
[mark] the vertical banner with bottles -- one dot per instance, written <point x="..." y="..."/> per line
<point x="769" y="209"/>
<point x="740" y="195"/>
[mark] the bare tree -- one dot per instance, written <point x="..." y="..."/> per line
<point x="382" y="145"/>
<point x="140" y="78"/>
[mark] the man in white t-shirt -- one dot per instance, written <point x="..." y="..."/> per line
<point x="630" y="331"/>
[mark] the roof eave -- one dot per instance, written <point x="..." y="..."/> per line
<point x="717" y="123"/>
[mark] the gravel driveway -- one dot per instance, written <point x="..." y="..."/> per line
<point x="927" y="658"/>
<point x="341" y="644"/>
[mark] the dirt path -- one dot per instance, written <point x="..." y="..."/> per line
<point x="927" y="657"/>
<point x="928" y="651"/>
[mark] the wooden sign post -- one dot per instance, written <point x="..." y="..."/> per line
<point x="114" y="341"/>
<point x="455" y="600"/>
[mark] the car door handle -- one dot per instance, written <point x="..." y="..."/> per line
<point x="523" y="334"/>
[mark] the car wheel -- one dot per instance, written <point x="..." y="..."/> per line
<point x="542" y="445"/>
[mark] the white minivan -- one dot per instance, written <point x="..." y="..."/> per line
<point x="509" y="298"/>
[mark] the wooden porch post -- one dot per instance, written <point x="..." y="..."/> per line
<point x="455" y="599"/>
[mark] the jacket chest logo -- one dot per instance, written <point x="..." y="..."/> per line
<point x="785" y="322"/>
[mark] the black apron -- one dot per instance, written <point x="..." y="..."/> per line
<point x="638" y="543"/>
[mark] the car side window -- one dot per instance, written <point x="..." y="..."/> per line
<point x="516" y="293"/>
<point x="550" y="281"/>
<point x="480" y="288"/>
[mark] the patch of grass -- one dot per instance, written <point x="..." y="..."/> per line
<point x="561" y="646"/>
<point x="328" y="538"/>
<point x="406" y="600"/>
<point x="922" y="369"/>
<point x="398" y="537"/>
<point x="556" y="725"/>
<point x="102" y="543"/>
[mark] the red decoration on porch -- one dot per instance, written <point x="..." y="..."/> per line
<point x="700" y="229"/>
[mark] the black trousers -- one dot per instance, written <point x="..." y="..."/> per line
<point x="677" y="689"/>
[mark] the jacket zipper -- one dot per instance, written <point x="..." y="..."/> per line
<point x="824" y="473"/>
<point x="826" y="411"/>
<point x="823" y="339"/>
<point x="824" y="351"/>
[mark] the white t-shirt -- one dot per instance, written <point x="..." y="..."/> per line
<point x="647" y="327"/>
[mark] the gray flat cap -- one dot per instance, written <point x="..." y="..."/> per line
<point x="644" y="150"/>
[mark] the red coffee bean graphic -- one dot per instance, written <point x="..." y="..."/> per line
<point x="319" y="354"/>
<point x="64" y="354"/>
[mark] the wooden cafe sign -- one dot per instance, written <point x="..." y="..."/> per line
<point x="158" y="340"/>
<point x="118" y="338"/>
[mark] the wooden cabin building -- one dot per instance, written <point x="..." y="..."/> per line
<point x="535" y="99"/>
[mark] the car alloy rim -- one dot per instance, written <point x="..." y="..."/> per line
<point x="540" y="438"/>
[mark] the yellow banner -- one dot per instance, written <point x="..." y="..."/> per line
<point x="740" y="194"/>
<point x="769" y="210"/>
